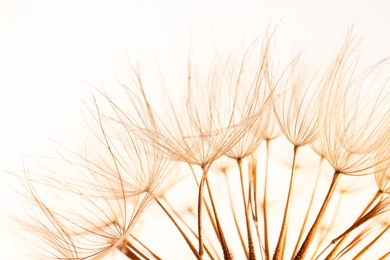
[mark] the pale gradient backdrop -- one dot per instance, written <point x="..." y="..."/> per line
<point x="47" y="46"/>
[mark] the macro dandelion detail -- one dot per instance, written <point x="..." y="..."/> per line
<point x="233" y="159"/>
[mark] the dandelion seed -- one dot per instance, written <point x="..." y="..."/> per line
<point x="346" y="130"/>
<point x="295" y="104"/>
<point x="89" y="211"/>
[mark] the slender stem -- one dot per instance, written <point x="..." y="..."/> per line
<point x="278" y="255"/>
<point x="127" y="243"/>
<point x="265" y="220"/>
<point x="252" y="255"/>
<point x="235" y="215"/>
<point x="192" y="247"/>
<point x="252" y="170"/>
<point x="305" y="246"/>
<point x="364" y="250"/>
<point x="329" y="228"/>
<point x="221" y="236"/>
<point x="127" y="252"/>
<point x="252" y="173"/>
<point x="209" y="214"/>
<point x="338" y="241"/>
<point x="131" y="252"/>
<point x="385" y="256"/>
<point x="355" y="241"/>
<point x="261" y="246"/>
<point x="205" y="169"/>
<point x="210" y="246"/>
<point x="179" y="217"/>
<point x="309" y="208"/>
<point x="146" y="248"/>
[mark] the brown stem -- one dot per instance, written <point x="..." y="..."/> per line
<point x="131" y="252"/>
<point x="205" y="169"/>
<point x="338" y="241"/>
<point x="145" y="247"/>
<point x="235" y="215"/>
<point x="252" y="170"/>
<point x="221" y="236"/>
<point x="252" y="255"/>
<point x="364" y="250"/>
<point x="209" y="214"/>
<point x="308" y="209"/>
<point x="329" y="228"/>
<point x="305" y="246"/>
<point x="179" y="217"/>
<point x="127" y="252"/>
<point x="192" y="247"/>
<point x="278" y="255"/>
<point x="354" y="243"/>
<point x="266" y="243"/>
<point x="385" y="256"/>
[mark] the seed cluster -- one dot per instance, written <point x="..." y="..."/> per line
<point x="187" y="169"/>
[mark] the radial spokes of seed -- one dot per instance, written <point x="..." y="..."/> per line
<point x="78" y="223"/>
<point x="367" y="97"/>
<point x="355" y="111"/>
<point x="131" y="162"/>
<point x="350" y="139"/>
<point x="218" y="107"/>
<point x="296" y="102"/>
<point x="260" y="116"/>
<point x="87" y="205"/>
<point x="380" y="168"/>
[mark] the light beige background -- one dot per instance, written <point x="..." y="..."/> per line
<point x="46" y="46"/>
